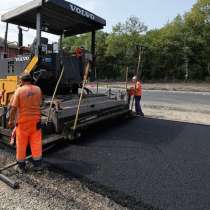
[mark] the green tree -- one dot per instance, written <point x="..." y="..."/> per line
<point x="178" y="51"/>
<point x="122" y="42"/>
<point x="198" y="21"/>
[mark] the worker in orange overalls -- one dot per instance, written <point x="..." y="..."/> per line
<point x="25" y="114"/>
<point x="79" y="51"/>
<point x="136" y="90"/>
<point x="80" y="55"/>
<point x="131" y="95"/>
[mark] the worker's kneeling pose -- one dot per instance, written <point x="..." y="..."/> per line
<point x="25" y="114"/>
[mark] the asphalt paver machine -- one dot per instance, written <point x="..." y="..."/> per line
<point x="56" y="72"/>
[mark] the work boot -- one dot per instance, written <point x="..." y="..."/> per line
<point x="20" y="168"/>
<point x="37" y="166"/>
<point x="140" y="114"/>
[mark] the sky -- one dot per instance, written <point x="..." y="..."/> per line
<point x="154" y="13"/>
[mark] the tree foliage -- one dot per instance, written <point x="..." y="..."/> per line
<point x="178" y="51"/>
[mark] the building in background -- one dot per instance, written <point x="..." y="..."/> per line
<point x="12" y="50"/>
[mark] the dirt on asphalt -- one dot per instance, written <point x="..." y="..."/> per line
<point x="183" y="116"/>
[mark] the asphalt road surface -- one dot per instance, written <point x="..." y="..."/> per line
<point x="196" y="101"/>
<point x="177" y="98"/>
<point x="143" y="163"/>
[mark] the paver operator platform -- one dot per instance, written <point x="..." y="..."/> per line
<point x="59" y="74"/>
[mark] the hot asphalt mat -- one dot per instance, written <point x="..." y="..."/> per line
<point x="143" y="163"/>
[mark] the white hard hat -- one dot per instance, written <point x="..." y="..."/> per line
<point x="134" y="78"/>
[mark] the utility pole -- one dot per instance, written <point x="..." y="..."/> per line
<point x="186" y="64"/>
<point x="186" y="60"/>
<point x="208" y="35"/>
<point x="5" y="40"/>
<point x="206" y="12"/>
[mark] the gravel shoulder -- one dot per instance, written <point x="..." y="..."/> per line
<point x="189" y="86"/>
<point x="176" y="115"/>
<point x="49" y="191"/>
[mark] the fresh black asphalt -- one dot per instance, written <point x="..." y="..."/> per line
<point x="143" y="163"/>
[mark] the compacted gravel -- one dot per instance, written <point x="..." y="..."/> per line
<point x="48" y="191"/>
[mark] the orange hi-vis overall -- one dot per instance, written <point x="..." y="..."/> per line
<point x="78" y="52"/>
<point x="136" y="91"/>
<point x="27" y="100"/>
